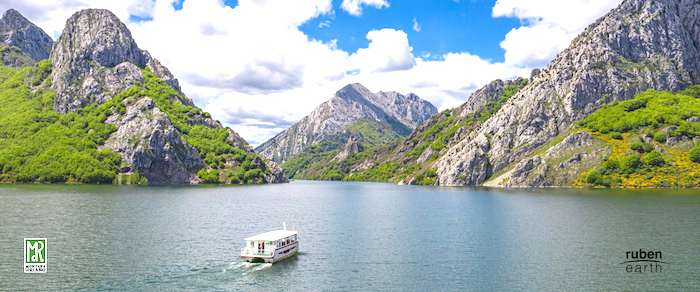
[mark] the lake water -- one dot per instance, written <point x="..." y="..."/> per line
<point x="353" y="236"/>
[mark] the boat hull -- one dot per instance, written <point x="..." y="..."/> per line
<point x="280" y="254"/>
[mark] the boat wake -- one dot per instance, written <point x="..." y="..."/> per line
<point x="247" y="267"/>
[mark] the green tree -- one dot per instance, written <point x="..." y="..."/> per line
<point x="660" y="137"/>
<point x="629" y="164"/>
<point x="694" y="153"/>
<point x="654" y="158"/>
<point x="637" y="146"/>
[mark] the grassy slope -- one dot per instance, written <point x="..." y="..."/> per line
<point x="375" y="133"/>
<point x="639" y="131"/>
<point x="38" y="144"/>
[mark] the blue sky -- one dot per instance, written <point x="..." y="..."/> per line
<point x="445" y="26"/>
<point x="259" y="66"/>
<point x="471" y="26"/>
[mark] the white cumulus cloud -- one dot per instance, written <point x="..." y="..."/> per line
<point x="388" y="51"/>
<point x="354" y="7"/>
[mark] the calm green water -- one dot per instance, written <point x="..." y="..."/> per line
<point x="354" y="236"/>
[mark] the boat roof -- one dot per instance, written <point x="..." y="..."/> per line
<point x="272" y="235"/>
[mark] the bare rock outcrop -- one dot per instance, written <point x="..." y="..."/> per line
<point x="17" y="31"/>
<point x="148" y="143"/>
<point x="561" y="164"/>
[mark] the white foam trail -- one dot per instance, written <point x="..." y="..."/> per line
<point x="239" y="265"/>
<point x="263" y="266"/>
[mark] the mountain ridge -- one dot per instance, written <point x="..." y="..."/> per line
<point x="330" y="119"/>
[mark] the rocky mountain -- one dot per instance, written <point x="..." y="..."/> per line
<point x="96" y="58"/>
<point x="352" y="104"/>
<point x="500" y="138"/>
<point x="639" y="45"/>
<point x="32" y="42"/>
<point x="97" y="71"/>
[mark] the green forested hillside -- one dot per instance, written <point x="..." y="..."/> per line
<point x="40" y="145"/>
<point x="651" y="137"/>
<point x="374" y="133"/>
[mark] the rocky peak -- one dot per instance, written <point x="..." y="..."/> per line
<point x="96" y="58"/>
<point x="13" y="20"/>
<point x="409" y="109"/>
<point x="353" y="93"/>
<point x="348" y="105"/>
<point x="15" y="30"/>
<point x="99" y="37"/>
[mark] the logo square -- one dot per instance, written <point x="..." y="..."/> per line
<point x="35" y="255"/>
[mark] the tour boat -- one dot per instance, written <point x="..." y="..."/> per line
<point x="271" y="247"/>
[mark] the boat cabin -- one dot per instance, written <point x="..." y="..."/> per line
<point x="269" y="244"/>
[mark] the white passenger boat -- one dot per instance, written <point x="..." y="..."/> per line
<point x="271" y="247"/>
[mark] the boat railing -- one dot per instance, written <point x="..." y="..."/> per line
<point x="257" y="252"/>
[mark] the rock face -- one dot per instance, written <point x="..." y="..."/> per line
<point x="489" y="93"/>
<point x="17" y="31"/>
<point x="639" y="45"/>
<point x="352" y="103"/>
<point x="410" y="110"/>
<point x="148" y="142"/>
<point x="561" y="164"/>
<point x="94" y="60"/>
<point x="352" y="147"/>
<point x="14" y="57"/>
